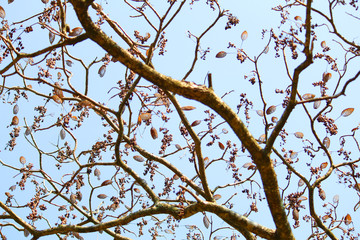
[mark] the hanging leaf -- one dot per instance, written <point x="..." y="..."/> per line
<point x="317" y="104"/>
<point x="326" y="76"/>
<point x="178" y="147"/>
<point x="336" y="199"/>
<point x="299" y="134"/>
<point x="102" y="196"/>
<point x="145" y="116"/>
<point x="322" y="194"/>
<point x="75" y="32"/>
<point x="347" y="219"/>
<point x="274" y="119"/>
<point x="138" y="158"/>
<point x="260" y="113"/>
<point x="323" y="165"/>
<point x="97" y="173"/>
<point x="244" y="35"/>
<point x="195" y="123"/>
<point x="14" y="121"/>
<point x="326" y="142"/>
<point x="301" y="183"/>
<point x="62" y="134"/>
<point x="297" y="18"/>
<point x="188" y="108"/>
<point x="220" y="54"/>
<point x="323" y="44"/>
<point x="347" y="112"/>
<point x="16" y="109"/>
<point x="22" y="160"/>
<point x="2" y="12"/>
<point x="221" y="146"/>
<point x="153" y="133"/>
<point x="102" y="71"/>
<point x="106" y="182"/>
<point x="217" y="196"/>
<point x="271" y="110"/>
<point x="308" y="96"/>
<point x="206" y="221"/>
<point x="51" y="37"/>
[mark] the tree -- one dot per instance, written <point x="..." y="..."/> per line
<point x="118" y="133"/>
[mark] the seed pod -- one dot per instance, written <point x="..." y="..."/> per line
<point x="221" y="146"/>
<point x="297" y="18"/>
<point x="51" y="37"/>
<point x="62" y="134"/>
<point x="260" y="113"/>
<point x="274" y="119"/>
<point x="153" y="133"/>
<point x="176" y="177"/>
<point x="2" y="12"/>
<point x="14" y="121"/>
<point x="102" y="71"/>
<point x="75" y="32"/>
<point x="28" y="131"/>
<point x="323" y="44"/>
<point x="16" y="109"/>
<point x="326" y="76"/>
<point x="187" y="108"/>
<point x="22" y="160"/>
<point x="145" y="116"/>
<point x="271" y="110"/>
<point x="308" y="96"/>
<point x="168" y="231"/>
<point x="97" y="173"/>
<point x="293" y="155"/>
<point x="266" y="50"/>
<point x="206" y="221"/>
<point x="317" y="104"/>
<point x="178" y="147"/>
<point x="57" y="91"/>
<point x="102" y="196"/>
<point x="138" y="158"/>
<point x="326" y="142"/>
<point x="244" y="35"/>
<point x="336" y="199"/>
<point x="225" y="131"/>
<point x="69" y="63"/>
<point x="301" y="183"/>
<point x="345" y="113"/>
<point x="295" y="214"/>
<point x="323" y="165"/>
<point x="73" y="198"/>
<point x="57" y="99"/>
<point x="221" y="54"/>
<point x="106" y="182"/>
<point x="322" y="194"/>
<point x="136" y="190"/>
<point x="217" y="196"/>
<point x="195" y="123"/>
<point x="299" y="134"/>
<point x="347" y="219"/>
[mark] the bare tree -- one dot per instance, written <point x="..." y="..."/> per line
<point x="109" y="143"/>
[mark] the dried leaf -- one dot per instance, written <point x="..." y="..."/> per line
<point x="154" y="133"/>
<point x="136" y="190"/>
<point x="244" y="35"/>
<point x="62" y="134"/>
<point x="168" y="231"/>
<point x="28" y="131"/>
<point x="217" y="196"/>
<point x="323" y="44"/>
<point x="308" y="96"/>
<point x="10" y="1"/>
<point x="302" y="198"/>
<point x="271" y="110"/>
<point x="102" y="196"/>
<point x="2" y="12"/>
<point x="221" y="146"/>
<point x="195" y="123"/>
<point x="22" y="160"/>
<point x="293" y="155"/>
<point x="323" y="165"/>
<point x="51" y="37"/>
<point x="221" y="54"/>
<point x="347" y="219"/>
<point x="102" y="71"/>
<point x="347" y="112"/>
<point x="176" y="177"/>
<point x="336" y="199"/>
<point x="138" y="158"/>
<point x="58" y="92"/>
<point x="16" y="109"/>
<point x="14" y="121"/>
<point x="45" y="1"/>
<point x="297" y="18"/>
<point x="249" y="165"/>
<point x="262" y="138"/>
<point x="106" y="182"/>
<point x="326" y="142"/>
<point x="260" y="113"/>
<point x="266" y="50"/>
<point x="206" y="221"/>
<point x="299" y="134"/>
<point x="73" y="198"/>
<point x="178" y="147"/>
<point x="317" y="104"/>
<point x="188" y="108"/>
<point x="75" y="32"/>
